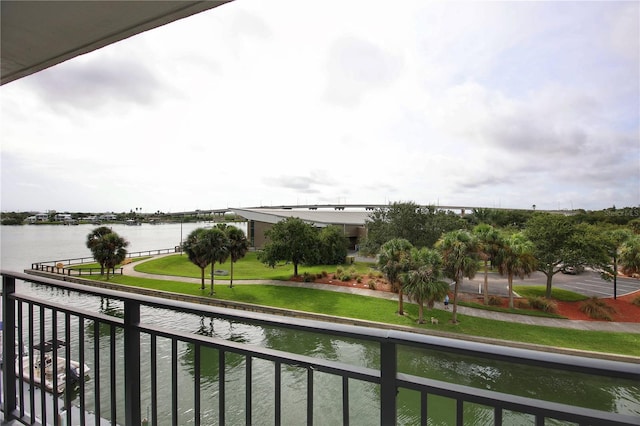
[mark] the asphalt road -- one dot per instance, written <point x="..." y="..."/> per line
<point x="587" y="283"/>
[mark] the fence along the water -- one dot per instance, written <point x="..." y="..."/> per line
<point x="46" y="320"/>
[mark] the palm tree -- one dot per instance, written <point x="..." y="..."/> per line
<point x="489" y="242"/>
<point x="197" y="249"/>
<point x="423" y="281"/>
<point x="218" y="251"/>
<point x="393" y="260"/>
<point x="630" y="256"/>
<point x="516" y="258"/>
<point x="460" y="259"/>
<point x="107" y="247"/>
<point x="94" y="243"/>
<point x="237" y="244"/>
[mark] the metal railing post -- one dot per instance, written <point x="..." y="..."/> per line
<point x="132" y="362"/>
<point x="388" y="389"/>
<point x="8" y="347"/>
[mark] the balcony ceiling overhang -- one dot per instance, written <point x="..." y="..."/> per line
<point x="36" y="35"/>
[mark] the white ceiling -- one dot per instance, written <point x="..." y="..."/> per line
<point x="35" y="35"/>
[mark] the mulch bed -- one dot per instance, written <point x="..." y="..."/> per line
<point x="625" y="311"/>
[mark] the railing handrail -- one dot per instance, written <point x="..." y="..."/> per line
<point x="90" y="259"/>
<point x="512" y="354"/>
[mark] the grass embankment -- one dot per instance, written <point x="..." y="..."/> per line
<point x="368" y="308"/>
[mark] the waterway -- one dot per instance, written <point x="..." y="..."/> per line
<point x="22" y="245"/>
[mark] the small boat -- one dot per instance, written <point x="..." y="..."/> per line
<point x="43" y="355"/>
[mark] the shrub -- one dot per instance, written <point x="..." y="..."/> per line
<point x="324" y="274"/>
<point x="522" y="304"/>
<point x="339" y="271"/>
<point x="543" y="304"/>
<point x="636" y="301"/>
<point x="371" y="284"/>
<point x="308" y="278"/>
<point x="495" y="301"/>
<point x="319" y="276"/>
<point x="597" y="309"/>
<point x="359" y="279"/>
<point x="345" y="277"/>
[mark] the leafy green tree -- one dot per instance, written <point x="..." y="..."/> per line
<point x="333" y="245"/>
<point x="217" y="244"/>
<point x="290" y="240"/>
<point x="515" y="258"/>
<point x="423" y="282"/>
<point x="421" y="226"/>
<point x="489" y="243"/>
<point x="460" y="259"/>
<point x="107" y="248"/>
<point x="237" y="246"/>
<point x="197" y="249"/>
<point x="394" y="260"/>
<point x="630" y="256"/>
<point x="553" y="241"/>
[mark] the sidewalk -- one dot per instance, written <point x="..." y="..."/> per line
<point x="623" y="327"/>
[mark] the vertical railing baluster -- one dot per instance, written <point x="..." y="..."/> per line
<point x="345" y="400"/>
<point x="31" y="340"/>
<point x="248" y="390"/>
<point x="8" y="343"/>
<point x="96" y="374"/>
<point x="278" y="388"/>
<point x="310" y="396"/>
<point x="221" y="387"/>
<point x="19" y="360"/>
<point x="388" y="372"/>
<point x="497" y="416"/>
<point x="424" y="419"/>
<point x="132" y="363"/>
<point x="69" y="385"/>
<point x="112" y="369"/>
<point x="43" y="399"/>
<point x="460" y="412"/>
<point x="196" y="382"/>
<point x="82" y="362"/>
<point x="154" y="380"/>
<point x="174" y="381"/>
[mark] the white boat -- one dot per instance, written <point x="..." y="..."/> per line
<point x="57" y="369"/>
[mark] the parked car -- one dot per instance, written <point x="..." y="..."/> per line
<point x="573" y="270"/>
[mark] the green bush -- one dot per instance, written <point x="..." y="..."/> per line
<point x="358" y="279"/>
<point x="522" y="304"/>
<point x="371" y="284"/>
<point x="495" y="301"/>
<point x="308" y="278"/>
<point x="339" y="271"/>
<point x="597" y="309"/>
<point x="636" y="301"/>
<point x="543" y="304"/>
<point x="345" y="277"/>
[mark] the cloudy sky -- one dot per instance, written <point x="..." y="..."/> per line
<point x="487" y="104"/>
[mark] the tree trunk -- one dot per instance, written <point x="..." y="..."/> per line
<point x="486" y="282"/>
<point x="421" y="312"/>
<point x="510" y="279"/>
<point x="549" y="281"/>
<point x="295" y="269"/>
<point x="231" y="278"/>
<point x="454" y="317"/>
<point x="400" y="301"/>
<point x="212" y="268"/>
<point x="201" y="278"/>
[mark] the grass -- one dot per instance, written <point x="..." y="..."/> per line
<point x="381" y="310"/>
<point x="556" y="293"/>
<point x="248" y="268"/>
<point x="530" y="312"/>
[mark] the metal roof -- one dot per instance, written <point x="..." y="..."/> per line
<point x="36" y="35"/>
<point x="316" y="217"/>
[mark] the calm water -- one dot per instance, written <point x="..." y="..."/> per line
<point x="26" y="244"/>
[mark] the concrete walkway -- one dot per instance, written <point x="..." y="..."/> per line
<point x="624" y="327"/>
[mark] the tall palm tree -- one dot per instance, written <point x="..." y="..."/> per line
<point x="217" y="242"/>
<point x="107" y="247"/>
<point x="394" y="259"/>
<point x="238" y="245"/>
<point x="94" y="243"/>
<point x="516" y="258"/>
<point x="423" y="283"/>
<point x="460" y="259"/>
<point x="489" y="242"/>
<point x="197" y="249"/>
<point x="630" y="255"/>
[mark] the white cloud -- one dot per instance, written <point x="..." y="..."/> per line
<point x="479" y="103"/>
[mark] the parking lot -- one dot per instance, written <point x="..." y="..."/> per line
<point x="587" y="283"/>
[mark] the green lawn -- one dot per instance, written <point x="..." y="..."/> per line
<point x="556" y="293"/>
<point x="248" y="268"/>
<point x="380" y="310"/>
